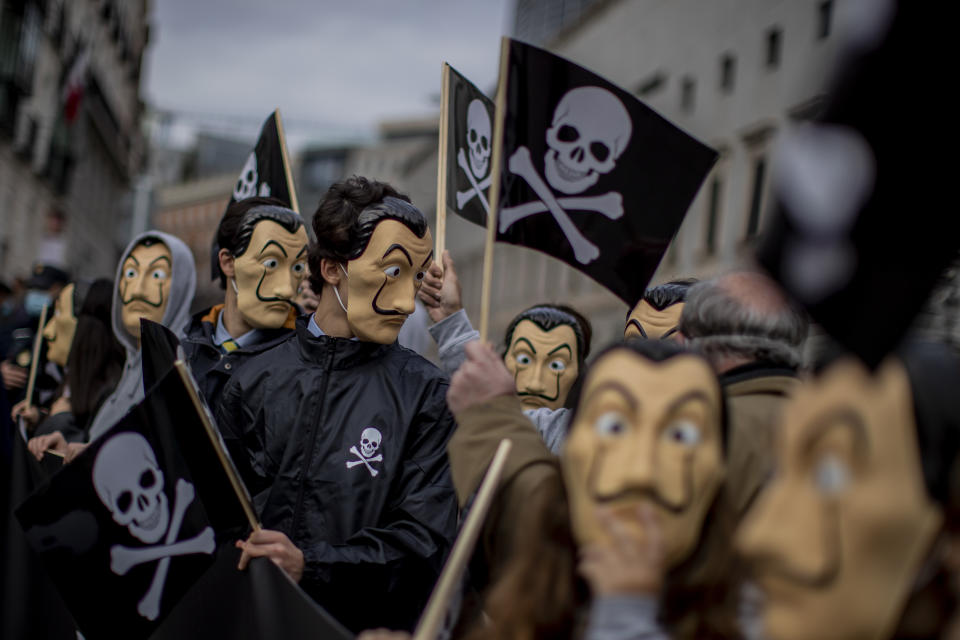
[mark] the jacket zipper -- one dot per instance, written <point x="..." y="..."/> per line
<point x="313" y="439"/>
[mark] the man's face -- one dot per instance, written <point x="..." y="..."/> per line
<point x="543" y="364"/>
<point x="269" y="273"/>
<point x="647" y="322"/>
<point x="382" y="283"/>
<point x="645" y="433"/>
<point x="60" y="328"/>
<point x="145" y="285"/>
<point x="838" y="538"/>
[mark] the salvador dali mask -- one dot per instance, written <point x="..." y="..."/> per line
<point x="646" y="322"/>
<point x="646" y="432"/>
<point x="145" y="285"/>
<point x="837" y="539"/>
<point x="269" y="273"/>
<point x="543" y="364"/>
<point x="382" y="283"/>
<point x="59" y="330"/>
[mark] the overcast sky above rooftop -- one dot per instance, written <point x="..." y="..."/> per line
<point x="334" y="68"/>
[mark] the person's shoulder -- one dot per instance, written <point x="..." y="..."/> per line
<point x="278" y="361"/>
<point x="415" y="365"/>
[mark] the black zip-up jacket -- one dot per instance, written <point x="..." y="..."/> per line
<point x="211" y="367"/>
<point x="343" y="445"/>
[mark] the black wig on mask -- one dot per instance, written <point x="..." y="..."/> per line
<point x="236" y="228"/>
<point x="551" y="316"/>
<point x="347" y="216"/>
<point x="666" y="295"/>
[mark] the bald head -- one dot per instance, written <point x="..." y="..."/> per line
<point x="743" y="317"/>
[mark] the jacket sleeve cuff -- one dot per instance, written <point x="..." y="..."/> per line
<point x="451" y="334"/>
<point x="624" y="617"/>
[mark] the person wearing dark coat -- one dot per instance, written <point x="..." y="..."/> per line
<point x="260" y="258"/>
<point x="340" y="433"/>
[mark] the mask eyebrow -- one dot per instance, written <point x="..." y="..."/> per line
<point x="158" y="259"/>
<point x="276" y="244"/>
<point x="839" y="418"/>
<point x="619" y="389"/>
<point x="130" y="257"/>
<point x="396" y="247"/>
<point x="302" y="251"/>
<point x="636" y="323"/>
<point x="529" y="344"/>
<point x="693" y="394"/>
<point x="427" y="261"/>
<point x="560" y="348"/>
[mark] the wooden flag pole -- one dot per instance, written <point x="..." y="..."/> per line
<point x="495" y="169"/>
<point x="238" y="487"/>
<point x="286" y="163"/>
<point x="432" y="617"/>
<point x="35" y="361"/>
<point x="444" y="139"/>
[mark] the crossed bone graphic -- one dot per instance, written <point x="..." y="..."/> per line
<point x="609" y="204"/>
<point x="122" y="558"/>
<point x="364" y="461"/>
<point x="475" y="190"/>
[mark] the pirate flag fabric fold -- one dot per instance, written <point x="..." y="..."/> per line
<point x="859" y="232"/>
<point x="469" y="145"/>
<point x="128" y="527"/>
<point x="267" y="172"/>
<point x="588" y="173"/>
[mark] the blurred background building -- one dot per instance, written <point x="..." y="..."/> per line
<point x="70" y="137"/>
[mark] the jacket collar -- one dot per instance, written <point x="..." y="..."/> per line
<point x="345" y="352"/>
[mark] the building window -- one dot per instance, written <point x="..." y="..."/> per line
<point x="687" y="94"/>
<point x="774" y="44"/>
<point x="756" y="198"/>
<point x="728" y="69"/>
<point x="824" y="15"/>
<point x="713" y="212"/>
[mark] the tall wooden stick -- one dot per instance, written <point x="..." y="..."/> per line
<point x="432" y="617"/>
<point x="238" y="487"/>
<point x="286" y="163"/>
<point x="35" y="361"/>
<point x="495" y="169"/>
<point x="444" y="140"/>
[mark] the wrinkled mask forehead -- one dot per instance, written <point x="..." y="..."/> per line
<point x="544" y="364"/>
<point x="269" y="272"/>
<point x="649" y="433"/>
<point x="382" y="283"/>
<point x="647" y="322"/>
<point x="838" y="539"/>
<point x="144" y="285"/>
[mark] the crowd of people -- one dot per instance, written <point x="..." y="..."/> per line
<point x="707" y="476"/>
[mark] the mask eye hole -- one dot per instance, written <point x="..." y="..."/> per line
<point x="831" y="475"/>
<point x="270" y="263"/>
<point x="558" y="365"/>
<point x="129" y="273"/>
<point x="419" y="277"/>
<point x="523" y="359"/>
<point x="158" y="274"/>
<point x="684" y="433"/>
<point x="392" y="272"/>
<point x="611" y="423"/>
<point x="299" y="268"/>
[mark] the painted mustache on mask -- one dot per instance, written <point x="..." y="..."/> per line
<point x="384" y="312"/>
<point x="650" y="492"/>
<point x="262" y="298"/>
<point x="140" y="298"/>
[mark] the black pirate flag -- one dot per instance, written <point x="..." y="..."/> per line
<point x="469" y="145"/>
<point x="588" y="173"/>
<point x="861" y="230"/>
<point x="132" y="523"/>
<point x="266" y="173"/>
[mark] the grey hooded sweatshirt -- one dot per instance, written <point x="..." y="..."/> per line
<point x="183" y="283"/>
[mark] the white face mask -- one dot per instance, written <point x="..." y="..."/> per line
<point x="336" y="292"/>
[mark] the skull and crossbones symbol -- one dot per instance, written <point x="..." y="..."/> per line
<point x="246" y="186"/>
<point x="479" y="144"/>
<point x="129" y="482"/>
<point x="369" y="444"/>
<point x="589" y="132"/>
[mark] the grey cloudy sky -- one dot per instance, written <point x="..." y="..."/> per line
<point x="334" y="68"/>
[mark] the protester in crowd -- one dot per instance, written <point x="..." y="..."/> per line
<point x="753" y="336"/>
<point x="155" y="280"/>
<point x="644" y="462"/>
<point x="657" y="314"/>
<point x="19" y="329"/>
<point x="79" y="339"/>
<point x="340" y="432"/>
<point x="306" y="298"/>
<point x="261" y="251"/>
<point x="856" y="536"/>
